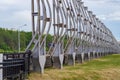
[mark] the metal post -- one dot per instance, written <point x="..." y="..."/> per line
<point x="19" y="36"/>
<point x="18" y="40"/>
<point x="67" y="19"/>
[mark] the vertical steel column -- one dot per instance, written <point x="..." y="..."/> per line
<point x="79" y="37"/>
<point x="59" y="27"/>
<point x="88" y="49"/>
<point x="82" y="30"/>
<point x="41" y="23"/>
<point x="91" y="34"/>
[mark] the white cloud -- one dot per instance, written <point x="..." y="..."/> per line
<point x="15" y="13"/>
<point x="22" y="15"/>
<point x="102" y="17"/>
<point x="105" y="9"/>
<point x="16" y="19"/>
<point x="95" y="1"/>
<point x="115" y="16"/>
<point x="8" y="2"/>
<point x="14" y="4"/>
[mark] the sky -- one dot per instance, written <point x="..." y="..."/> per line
<point x="15" y="13"/>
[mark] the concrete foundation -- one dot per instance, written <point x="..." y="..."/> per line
<point x="39" y="64"/>
<point x="78" y="58"/>
<point x="49" y="62"/>
<point x="56" y="62"/>
<point x="36" y="65"/>
<point x="70" y="59"/>
<point x="91" y="55"/>
<point x="96" y="55"/>
<point x="86" y="58"/>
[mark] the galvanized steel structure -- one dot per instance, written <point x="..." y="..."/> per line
<point x="67" y="20"/>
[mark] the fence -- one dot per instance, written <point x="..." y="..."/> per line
<point x="14" y="66"/>
<point x="77" y="34"/>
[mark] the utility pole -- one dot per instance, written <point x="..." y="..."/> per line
<point x="19" y="36"/>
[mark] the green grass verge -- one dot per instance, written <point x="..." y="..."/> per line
<point x="105" y="68"/>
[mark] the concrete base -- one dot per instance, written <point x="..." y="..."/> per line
<point x="82" y="55"/>
<point x="58" y="61"/>
<point x="36" y="65"/>
<point x="89" y="58"/>
<point x="96" y="55"/>
<point x="91" y="55"/>
<point x="103" y="54"/>
<point x="86" y="58"/>
<point x="61" y="58"/>
<point x="39" y="64"/>
<point x="49" y="62"/>
<point x="78" y="58"/>
<point x="99" y="55"/>
<point x="65" y="61"/>
<point x="70" y="59"/>
<point x="42" y="61"/>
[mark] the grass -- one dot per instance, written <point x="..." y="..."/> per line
<point x="105" y="68"/>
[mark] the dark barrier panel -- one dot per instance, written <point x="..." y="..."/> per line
<point x="15" y="66"/>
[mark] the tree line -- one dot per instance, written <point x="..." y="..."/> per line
<point x="9" y="40"/>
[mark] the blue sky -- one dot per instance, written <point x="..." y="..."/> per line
<point x="15" y="13"/>
<point x="108" y="11"/>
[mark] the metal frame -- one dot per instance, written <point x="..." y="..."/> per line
<point x="87" y="37"/>
<point x="14" y="66"/>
